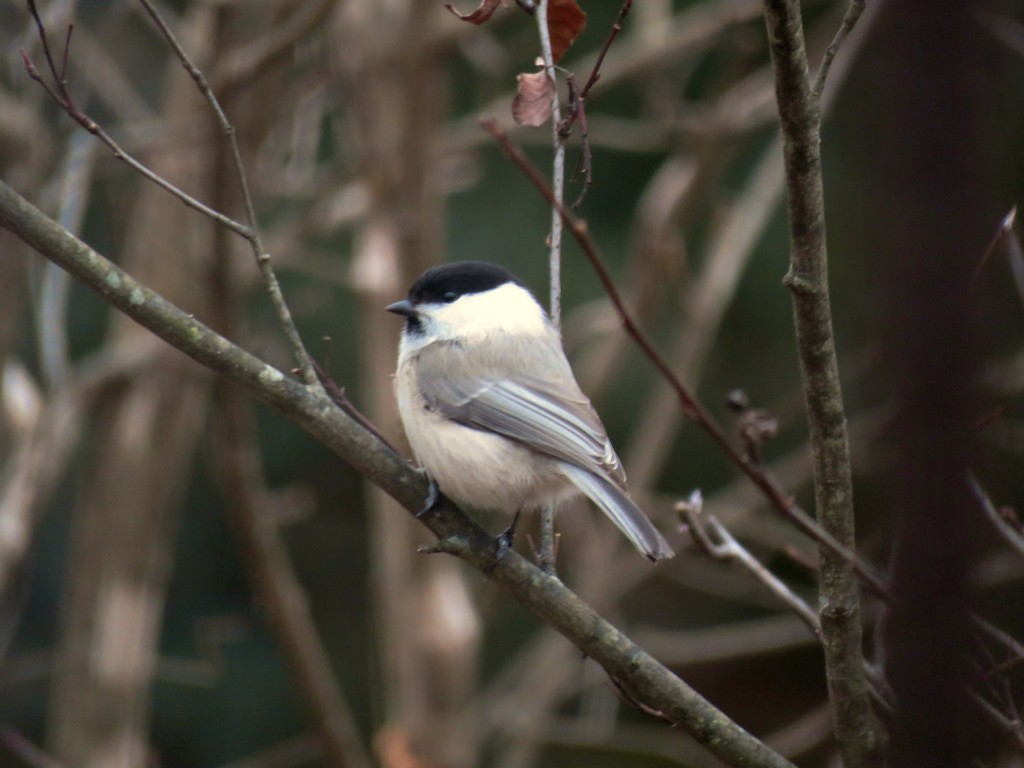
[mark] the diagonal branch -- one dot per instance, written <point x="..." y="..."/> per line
<point x="716" y="542"/>
<point x="284" y="314"/>
<point x="853" y="14"/>
<point x="61" y="94"/>
<point x="644" y="679"/>
<point x="782" y="501"/>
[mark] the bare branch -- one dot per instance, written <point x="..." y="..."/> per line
<point x="1011" y="534"/>
<point x="557" y="170"/>
<point x="853" y="14"/>
<point x="646" y="680"/>
<point x="284" y="315"/>
<point x="578" y="104"/>
<point x="716" y="542"/>
<point x="595" y="72"/>
<point x="61" y="94"/>
<point x="860" y="736"/>
<point x="691" y="407"/>
<point x="547" y="521"/>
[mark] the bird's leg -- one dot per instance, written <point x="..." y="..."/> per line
<point x="451" y="545"/>
<point x="508" y="537"/>
<point x="434" y="497"/>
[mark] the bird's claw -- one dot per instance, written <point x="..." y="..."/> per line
<point x="507" y="538"/>
<point x="434" y="497"/>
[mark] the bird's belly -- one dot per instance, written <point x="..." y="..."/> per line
<point x="485" y="470"/>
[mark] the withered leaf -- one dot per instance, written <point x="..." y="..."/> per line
<point x="532" y="104"/>
<point x="481" y="14"/>
<point x="565" y="22"/>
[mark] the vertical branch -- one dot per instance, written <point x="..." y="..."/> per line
<point x="558" y="166"/>
<point x="51" y="322"/>
<point x="857" y="731"/>
<point x="547" y="515"/>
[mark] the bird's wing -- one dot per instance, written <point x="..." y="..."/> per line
<point x="547" y="415"/>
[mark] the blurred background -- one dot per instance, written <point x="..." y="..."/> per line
<point x="186" y="579"/>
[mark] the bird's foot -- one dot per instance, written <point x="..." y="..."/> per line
<point x="507" y="538"/>
<point x="434" y="496"/>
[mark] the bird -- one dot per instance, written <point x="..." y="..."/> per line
<point x="491" y="408"/>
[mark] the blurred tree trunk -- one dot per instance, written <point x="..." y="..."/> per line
<point x="928" y="147"/>
<point x="23" y="155"/>
<point x="24" y="152"/>
<point x="427" y="625"/>
<point x="127" y="511"/>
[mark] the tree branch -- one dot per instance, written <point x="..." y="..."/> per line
<point x="716" y="542"/>
<point x="857" y="731"/>
<point x="853" y="14"/>
<point x="692" y="408"/>
<point x="284" y="314"/>
<point x="644" y="679"/>
<point x="61" y="94"/>
<point x="546" y="555"/>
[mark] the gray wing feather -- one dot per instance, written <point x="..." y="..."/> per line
<point x="550" y="416"/>
<point x="529" y="412"/>
<point x="629" y="518"/>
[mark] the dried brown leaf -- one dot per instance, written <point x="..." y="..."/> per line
<point x="565" y="22"/>
<point x="481" y="14"/>
<point x="532" y="104"/>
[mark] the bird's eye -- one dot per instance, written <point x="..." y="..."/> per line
<point x="449" y="297"/>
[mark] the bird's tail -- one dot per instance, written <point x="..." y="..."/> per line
<point x="629" y="518"/>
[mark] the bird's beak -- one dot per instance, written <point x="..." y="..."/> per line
<point x="403" y="308"/>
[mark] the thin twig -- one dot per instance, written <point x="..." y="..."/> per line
<point x="1010" y="535"/>
<point x="692" y="409"/>
<point x="853" y="13"/>
<point x="1003" y="231"/>
<point x="340" y="397"/>
<point x="284" y="315"/>
<point x="547" y="515"/>
<point x="577" y="111"/>
<point x="716" y="542"/>
<point x="68" y="105"/>
<point x="595" y="72"/>
<point x="585" y="163"/>
<point x="61" y="94"/>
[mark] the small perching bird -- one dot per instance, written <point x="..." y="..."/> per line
<point x="491" y="408"/>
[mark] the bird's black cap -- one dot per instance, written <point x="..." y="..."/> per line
<point x="446" y="283"/>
